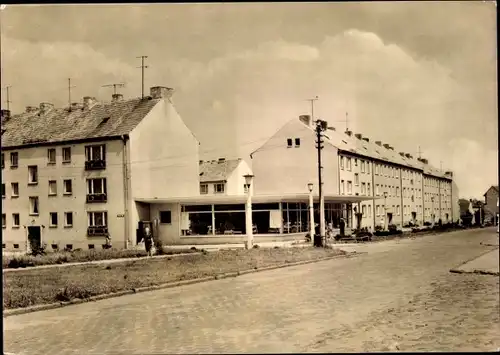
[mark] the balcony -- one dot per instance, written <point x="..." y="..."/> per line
<point x="97" y="231"/>
<point x="91" y="198"/>
<point x="97" y="164"/>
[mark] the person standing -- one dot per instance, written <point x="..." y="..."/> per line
<point x="342" y="227"/>
<point x="148" y="240"/>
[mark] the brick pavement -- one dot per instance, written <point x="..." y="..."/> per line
<point x="338" y="305"/>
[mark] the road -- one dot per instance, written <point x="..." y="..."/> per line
<point x="398" y="296"/>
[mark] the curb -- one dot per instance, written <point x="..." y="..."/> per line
<point x="45" y="307"/>
<point x="456" y="270"/>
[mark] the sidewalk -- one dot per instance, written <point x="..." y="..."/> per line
<point x="485" y="264"/>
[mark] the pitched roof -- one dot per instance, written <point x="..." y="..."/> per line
<point x="217" y="170"/>
<point x="60" y="125"/>
<point x="491" y="187"/>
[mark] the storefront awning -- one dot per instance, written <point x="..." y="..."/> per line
<point x="228" y="199"/>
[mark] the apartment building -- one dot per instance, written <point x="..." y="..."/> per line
<point x="223" y="177"/>
<point x="71" y="176"/>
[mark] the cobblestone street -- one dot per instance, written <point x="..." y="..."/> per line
<point x="398" y="296"/>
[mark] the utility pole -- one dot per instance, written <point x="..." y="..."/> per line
<point x="7" y="101"/>
<point x="142" y="67"/>
<point x="69" y="93"/>
<point x="321" y="126"/>
<point x="118" y="85"/>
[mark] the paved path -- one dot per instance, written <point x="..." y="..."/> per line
<point x="399" y="296"/>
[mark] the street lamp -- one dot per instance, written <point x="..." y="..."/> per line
<point x="311" y="212"/>
<point x="385" y="210"/>
<point x="248" y="211"/>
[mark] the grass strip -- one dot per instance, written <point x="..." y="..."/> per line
<point x="44" y="286"/>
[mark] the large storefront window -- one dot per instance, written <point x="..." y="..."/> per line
<point x="196" y="220"/>
<point x="295" y="217"/>
<point x="229" y="219"/>
<point x="266" y="218"/>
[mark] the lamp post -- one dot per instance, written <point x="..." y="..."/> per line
<point x="432" y="215"/>
<point x="248" y="212"/>
<point x="311" y="212"/>
<point x="385" y="210"/>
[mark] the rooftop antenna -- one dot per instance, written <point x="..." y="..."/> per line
<point x="142" y="67"/>
<point x="315" y="98"/>
<point x="118" y="85"/>
<point x="7" y="101"/>
<point x="419" y="153"/>
<point x="347" y="121"/>
<point x="69" y="93"/>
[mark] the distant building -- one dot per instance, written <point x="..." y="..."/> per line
<point x="491" y="203"/>
<point x="223" y="177"/>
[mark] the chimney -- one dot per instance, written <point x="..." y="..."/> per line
<point x="366" y="139"/>
<point x="386" y="146"/>
<point x="306" y="119"/>
<point x="358" y="135"/>
<point x="30" y="109"/>
<point x="349" y="133"/>
<point x="402" y="154"/>
<point x="45" y="107"/>
<point x="117" y="97"/>
<point x="5" y="115"/>
<point x="89" y="102"/>
<point x="379" y="143"/>
<point x="161" y="92"/>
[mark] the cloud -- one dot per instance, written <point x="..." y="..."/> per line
<point x="243" y="96"/>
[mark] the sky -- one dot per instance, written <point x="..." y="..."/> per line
<point x="412" y="74"/>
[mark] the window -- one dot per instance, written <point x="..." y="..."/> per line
<point x="349" y="187"/>
<point x="4" y="246"/>
<point x="203" y="189"/>
<point x="368" y="190"/>
<point x="34" y="205"/>
<point x="95" y="152"/>
<point x="33" y="174"/>
<point x="16" y="246"/>
<point x="68" y="219"/>
<point x="14" y="159"/>
<point x="219" y="188"/>
<point x="68" y="187"/>
<point x="289" y="142"/>
<point x="363" y="210"/>
<point x="397" y="191"/>
<point x="355" y="162"/>
<point x="4" y="220"/>
<point x="16" y="220"/>
<point x="55" y="247"/>
<point x="66" y="155"/>
<point x="51" y="155"/>
<point x="342" y="187"/>
<point x="297" y="142"/>
<point x="3" y="160"/>
<point x="53" y="219"/>
<point x="362" y="166"/>
<point x="52" y="187"/>
<point x="369" y="210"/>
<point x="15" y="189"/>
<point x="96" y="186"/>
<point x="363" y="188"/>
<point x="98" y="219"/>
<point x="377" y="190"/>
<point x="91" y="246"/>
<point x="3" y="190"/>
<point x="165" y="217"/>
<point x="356" y="179"/>
<point x="342" y="163"/>
<point x="349" y="164"/>
<point x="69" y="246"/>
<point x="368" y="167"/>
<point x="377" y="210"/>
